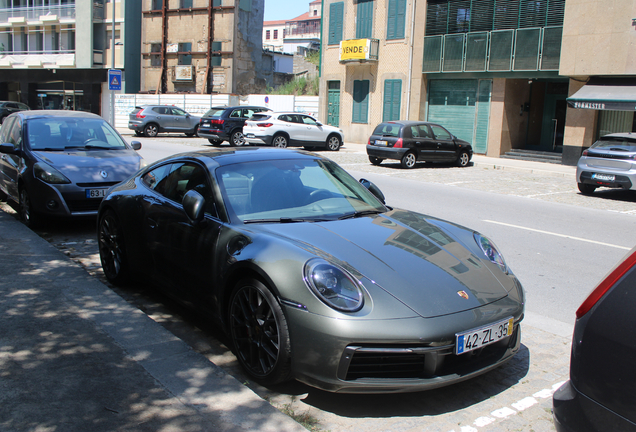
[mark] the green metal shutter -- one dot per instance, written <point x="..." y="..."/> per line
<point x="333" y="110"/>
<point x="452" y="104"/>
<point x="482" y="117"/>
<point x="396" y="21"/>
<point x="336" y="16"/>
<point x="360" y="102"/>
<point x="392" y="100"/>
<point x="364" y="19"/>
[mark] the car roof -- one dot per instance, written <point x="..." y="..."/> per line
<point x="31" y="114"/>
<point x="407" y="122"/>
<point x="629" y="135"/>
<point x="230" y="156"/>
<point x="239" y="106"/>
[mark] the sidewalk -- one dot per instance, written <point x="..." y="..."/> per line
<point x="74" y="356"/>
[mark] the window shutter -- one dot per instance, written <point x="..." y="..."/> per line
<point x="392" y="100"/>
<point x="364" y="19"/>
<point x="336" y="15"/>
<point x="396" y="20"/>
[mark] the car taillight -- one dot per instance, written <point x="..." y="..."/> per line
<point x="139" y="116"/>
<point x="585" y="152"/>
<point x="607" y="283"/>
<point x="217" y="121"/>
<point x="264" y="124"/>
<point x="398" y="143"/>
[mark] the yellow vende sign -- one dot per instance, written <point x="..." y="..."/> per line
<point x="354" y="49"/>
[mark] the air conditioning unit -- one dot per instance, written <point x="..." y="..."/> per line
<point x="183" y="73"/>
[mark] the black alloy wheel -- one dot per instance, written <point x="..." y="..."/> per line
<point x="194" y="132"/>
<point x="334" y="143"/>
<point x="28" y="215"/>
<point x="215" y="142"/>
<point x="151" y="130"/>
<point x="463" y="159"/>
<point x="408" y="160"/>
<point x="259" y="333"/>
<point x="112" y="252"/>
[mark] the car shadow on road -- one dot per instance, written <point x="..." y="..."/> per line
<point x="613" y="194"/>
<point x="425" y="165"/>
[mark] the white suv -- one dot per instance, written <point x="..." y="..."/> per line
<point x="282" y="129"/>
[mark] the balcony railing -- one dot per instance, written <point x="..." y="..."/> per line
<point x="528" y="49"/>
<point x="34" y="13"/>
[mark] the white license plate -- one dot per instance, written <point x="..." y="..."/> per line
<point x="603" y="177"/>
<point x="95" y="193"/>
<point x="381" y="142"/>
<point x="477" y="338"/>
<point x="250" y="135"/>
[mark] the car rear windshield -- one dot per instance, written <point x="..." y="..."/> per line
<point x="616" y="144"/>
<point x="214" y="112"/>
<point x="259" y="117"/>
<point x="387" y="129"/>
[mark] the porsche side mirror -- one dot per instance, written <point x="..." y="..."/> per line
<point x="194" y="206"/>
<point x="136" y="145"/>
<point x="373" y="189"/>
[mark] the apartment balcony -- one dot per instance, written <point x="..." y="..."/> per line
<point x="517" y="50"/>
<point x="36" y="15"/>
<point x="52" y="60"/>
<point x="359" y="50"/>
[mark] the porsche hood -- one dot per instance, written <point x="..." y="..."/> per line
<point x="407" y="255"/>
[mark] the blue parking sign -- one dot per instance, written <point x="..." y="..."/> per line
<point x="114" y="79"/>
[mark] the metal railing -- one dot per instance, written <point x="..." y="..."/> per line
<point x="34" y="13"/>
<point x="528" y="49"/>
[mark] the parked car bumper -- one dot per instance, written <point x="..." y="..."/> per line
<point x="212" y="134"/>
<point x="254" y="139"/>
<point x="580" y="413"/>
<point x="386" y="152"/>
<point x="623" y="176"/>
<point x="136" y="126"/>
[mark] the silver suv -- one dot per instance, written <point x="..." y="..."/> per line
<point x="149" y="120"/>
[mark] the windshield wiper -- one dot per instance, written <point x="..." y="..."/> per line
<point x="360" y="213"/>
<point x="48" y="149"/>
<point x="283" y="220"/>
<point x="90" y="146"/>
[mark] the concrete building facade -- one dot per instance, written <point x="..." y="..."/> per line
<point x="202" y="46"/>
<point x="55" y="54"/>
<point x="499" y="74"/>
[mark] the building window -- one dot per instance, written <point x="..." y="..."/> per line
<point x="360" y="102"/>
<point x="155" y="59"/>
<point x="396" y="19"/>
<point x="157" y="4"/>
<point x="336" y="17"/>
<point x="186" y="4"/>
<point x="275" y="34"/>
<point x="186" y="57"/>
<point x="267" y="34"/>
<point x="364" y="19"/>
<point x="392" y="100"/>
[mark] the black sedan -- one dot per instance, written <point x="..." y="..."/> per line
<point x="600" y="393"/>
<point x="313" y="277"/>
<point x="413" y="141"/>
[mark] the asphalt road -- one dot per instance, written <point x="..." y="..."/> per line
<point x="558" y="242"/>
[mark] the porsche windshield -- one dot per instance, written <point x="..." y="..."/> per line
<point x="293" y="191"/>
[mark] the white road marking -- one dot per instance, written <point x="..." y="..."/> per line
<point x="559" y="235"/>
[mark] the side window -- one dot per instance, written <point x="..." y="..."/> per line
<point x="179" y="112"/>
<point x="415" y="132"/>
<point x="15" y="134"/>
<point x="424" y="132"/>
<point x="4" y="130"/>
<point x="181" y="178"/>
<point x="12" y="105"/>
<point x="308" y="120"/>
<point x="153" y="179"/>
<point x="440" y="133"/>
<point x="236" y="113"/>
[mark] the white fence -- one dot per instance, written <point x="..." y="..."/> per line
<point x="200" y="104"/>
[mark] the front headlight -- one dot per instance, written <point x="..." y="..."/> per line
<point x="334" y="286"/>
<point x="490" y="250"/>
<point x="48" y="174"/>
